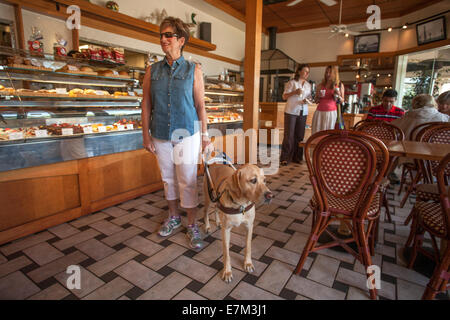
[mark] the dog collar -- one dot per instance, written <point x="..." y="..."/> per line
<point x="240" y="210"/>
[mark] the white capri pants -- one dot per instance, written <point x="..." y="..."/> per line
<point x="178" y="163"/>
<point x="323" y="120"/>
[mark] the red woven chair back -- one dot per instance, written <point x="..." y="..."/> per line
<point x="382" y="130"/>
<point x="438" y="133"/>
<point x="418" y="128"/>
<point x="343" y="166"/>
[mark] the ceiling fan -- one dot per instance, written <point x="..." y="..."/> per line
<point x="327" y="2"/>
<point x="339" y="28"/>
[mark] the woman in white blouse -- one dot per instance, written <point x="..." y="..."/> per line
<point x="297" y="92"/>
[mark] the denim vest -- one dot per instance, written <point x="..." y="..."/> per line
<point x="172" y="98"/>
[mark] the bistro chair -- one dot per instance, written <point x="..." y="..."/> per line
<point x="361" y="122"/>
<point x="346" y="179"/>
<point x="434" y="217"/>
<point x="409" y="168"/>
<point x="428" y="191"/>
<point x="385" y="132"/>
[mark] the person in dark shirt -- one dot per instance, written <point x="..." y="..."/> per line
<point x="386" y="111"/>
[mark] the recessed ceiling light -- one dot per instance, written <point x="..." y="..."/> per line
<point x="346" y="35"/>
<point x="389" y="29"/>
<point x="405" y="26"/>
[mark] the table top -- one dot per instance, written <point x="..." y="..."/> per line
<point x="414" y="149"/>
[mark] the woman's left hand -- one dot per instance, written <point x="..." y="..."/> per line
<point x="206" y="144"/>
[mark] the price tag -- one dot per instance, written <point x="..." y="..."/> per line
<point x="41" y="133"/>
<point x="15" y="135"/>
<point x="72" y="68"/>
<point x="87" y="130"/>
<point x="131" y="93"/>
<point x="130" y="127"/>
<point x="115" y="72"/>
<point x="67" y="131"/>
<point x="102" y="129"/>
<point x="121" y="127"/>
<point x="61" y="90"/>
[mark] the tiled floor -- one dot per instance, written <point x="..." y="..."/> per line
<point x="122" y="257"/>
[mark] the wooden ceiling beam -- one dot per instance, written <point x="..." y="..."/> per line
<point x="228" y="9"/>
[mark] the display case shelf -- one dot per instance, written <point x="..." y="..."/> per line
<point x="34" y="75"/>
<point x="74" y="103"/>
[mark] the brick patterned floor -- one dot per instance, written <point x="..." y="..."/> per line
<point x="122" y="257"/>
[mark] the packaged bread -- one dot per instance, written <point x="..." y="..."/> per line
<point x="88" y="91"/>
<point x="68" y="67"/>
<point x="86" y="69"/>
<point x="106" y="73"/>
<point x="15" y="60"/>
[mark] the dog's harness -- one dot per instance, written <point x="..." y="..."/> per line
<point x="213" y="192"/>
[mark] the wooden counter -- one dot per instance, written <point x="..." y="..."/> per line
<point x="38" y="198"/>
<point x="351" y="119"/>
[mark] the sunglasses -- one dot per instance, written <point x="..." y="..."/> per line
<point x="168" y="35"/>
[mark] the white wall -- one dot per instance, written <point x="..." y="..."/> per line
<point x="314" y="46"/>
<point x="230" y="41"/>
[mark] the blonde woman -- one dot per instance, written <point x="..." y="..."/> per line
<point x="329" y="93"/>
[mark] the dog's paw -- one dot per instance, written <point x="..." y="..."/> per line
<point x="227" y="276"/>
<point x="249" y="267"/>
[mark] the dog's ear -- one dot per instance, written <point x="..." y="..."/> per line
<point x="237" y="182"/>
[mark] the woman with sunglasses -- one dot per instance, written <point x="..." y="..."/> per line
<point x="174" y="126"/>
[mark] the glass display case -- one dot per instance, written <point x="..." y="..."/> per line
<point x="59" y="110"/>
<point x="54" y="110"/>
<point x="224" y="104"/>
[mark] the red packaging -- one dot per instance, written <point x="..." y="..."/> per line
<point x="107" y="55"/>
<point x="119" y="55"/>
<point x="35" y="46"/>
<point x="95" y="53"/>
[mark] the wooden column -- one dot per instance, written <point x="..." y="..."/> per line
<point x="19" y="26"/>
<point x="252" y="63"/>
<point x="75" y="39"/>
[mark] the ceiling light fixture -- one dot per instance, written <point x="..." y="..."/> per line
<point x="346" y="35"/>
<point x="405" y="26"/>
<point x="389" y="29"/>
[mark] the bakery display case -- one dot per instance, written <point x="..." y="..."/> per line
<point x="54" y="110"/>
<point x="224" y="103"/>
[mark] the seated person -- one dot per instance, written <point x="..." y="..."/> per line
<point x="443" y="102"/>
<point x="386" y="111"/>
<point x="423" y="110"/>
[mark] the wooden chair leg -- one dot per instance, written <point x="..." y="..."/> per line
<point x="374" y="236"/>
<point x="312" y="240"/>
<point x="386" y="205"/>
<point x="410" y="189"/>
<point x="418" y="240"/>
<point x="412" y="232"/>
<point x="402" y="180"/>
<point x="439" y="280"/>
<point x="364" y="253"/>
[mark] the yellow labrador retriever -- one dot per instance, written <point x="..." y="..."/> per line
<point x="239" y="191"/>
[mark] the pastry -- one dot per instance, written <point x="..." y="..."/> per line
<point x="86" y="69"/>
<point x="2" y="87"/>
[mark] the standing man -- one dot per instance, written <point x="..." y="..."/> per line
<point x="386" y="111"/>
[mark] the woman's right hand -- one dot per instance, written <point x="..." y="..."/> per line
<point x="148" y="144"/>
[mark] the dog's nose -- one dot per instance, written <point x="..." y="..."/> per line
<point x="268" y="195"/>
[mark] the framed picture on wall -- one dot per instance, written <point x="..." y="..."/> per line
<point x="367" y="43"/>
<point x="431" y="31"/>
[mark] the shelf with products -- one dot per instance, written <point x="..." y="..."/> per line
<point x="223" y="105"/>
